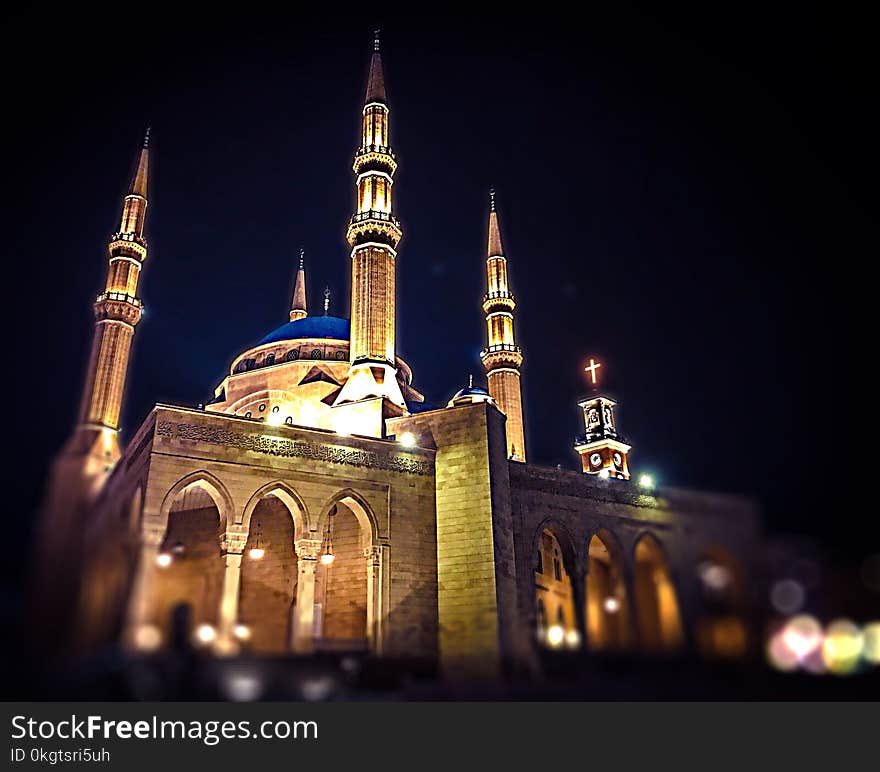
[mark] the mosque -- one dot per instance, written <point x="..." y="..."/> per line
<point x="318" y="502"/>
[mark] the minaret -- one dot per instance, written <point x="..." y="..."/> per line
<point x="298" y="309"/>
<point x="82" y="467"/>
<point x="373" y="235"/>
<point x="502" y="358"/>
<point x="117" y="311"/>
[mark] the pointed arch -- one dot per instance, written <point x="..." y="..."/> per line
<point x="565" y="539"/>
<point x="555" y="617"/>
<point x="360" y="508"/>
<point x="211" y="485"/>
<point x="288" y="496"/>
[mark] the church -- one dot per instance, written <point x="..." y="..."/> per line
<point x="319" y="502"/>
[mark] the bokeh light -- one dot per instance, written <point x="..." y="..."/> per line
<point x="779" y="655"/>
<point x="787" y="596"/>
<point x="802" y="635"/>
<point x="205" y="634"/>
<point x="147" y="638"/>
<point x="871" y="641"/>
<point x="842" y="647"/>
<point x="555" y="635"/>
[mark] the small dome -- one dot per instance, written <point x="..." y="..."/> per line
<point x="470" y="395"/>
<point x="310" y="327"/>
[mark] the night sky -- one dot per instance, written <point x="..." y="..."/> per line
<point x="668" y="185"/>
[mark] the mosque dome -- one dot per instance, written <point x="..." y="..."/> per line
<point x="469" y="395"/>
<point x="309" y="327"/>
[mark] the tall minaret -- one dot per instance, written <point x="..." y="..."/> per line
<point x="373" y="235"/>
<point x="82" y="467"/>
<point x="298" y="309"/>
<point x="117" y="310"/>
<point x="502" y="358"/>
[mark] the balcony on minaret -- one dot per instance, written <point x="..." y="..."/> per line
<point x="128" y="243"/>
<point x="374" y="225"/>
<point x="498" y="301"/>
<point x="382" y="156"/>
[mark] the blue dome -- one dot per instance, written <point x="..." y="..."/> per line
<point x="310" y="327"/>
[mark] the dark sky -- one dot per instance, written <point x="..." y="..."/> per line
<point x="669" y="183"/>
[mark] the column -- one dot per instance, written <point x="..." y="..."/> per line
<point x="226" y="641"/>
<point x="140" y="599"/>
<point x="578" y="595"/>
<point x="376" y="556"/>
<point x="307" y="551"/>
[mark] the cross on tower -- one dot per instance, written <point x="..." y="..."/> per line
<point x="592" y="370"/>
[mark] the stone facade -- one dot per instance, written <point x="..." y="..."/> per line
<point x="316" y="503"/>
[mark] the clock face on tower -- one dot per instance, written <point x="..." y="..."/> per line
<point x="596" y="460"/>
<point x="593" y="417"/>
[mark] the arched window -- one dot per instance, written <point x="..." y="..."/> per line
<point x="240" y="367"/>
<point x="539" y="566"/>
<point x="340" y="355"/>
<point x="289" y="420"/>
<point x="560" y="616"/>
<point x="557" y="566"/>
<point x="316" y="353"/>
<point x="270" y="359"/>
<point x="248" y="414"/>
<point x="249" y="364"/>
<point x="293" y="355"/>
<point x="541" y="615"/>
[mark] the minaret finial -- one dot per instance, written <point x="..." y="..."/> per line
<point x="492" y="199"/>
<point x="147" y="138"/>
<point x="470" y="380"/>
<point x="326" y="301"/>
<point x="376" y="32"/>
<point x="298" y="308"/>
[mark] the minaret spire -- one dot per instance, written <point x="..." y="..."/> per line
<point x="502" y="358"/>
<point x="117" y="311"/>
<point x="298" y="308"/>
<point x="373" y="235"/>
<point x="376" y="80"/>
<point x="327" y="300"/>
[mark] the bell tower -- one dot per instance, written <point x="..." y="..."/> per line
<point x="602" y="449"/>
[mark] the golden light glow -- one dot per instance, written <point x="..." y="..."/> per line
<point x="604" y="474"/>
<point x="163" y="560"/>
<point x="556" y="635"/>
<point x="205" y="634"/>
<point x="573" y="639"/>
<point x="646" y="481"/>
<point x="327" y="558"/>
<point x="611" y="605"/>
<point x="242" y="632"/>
<point x="256" y="553"/>
<point x="408" y="440"/>
<point x="147" y="638"/>
<point x="591" y="369"/>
